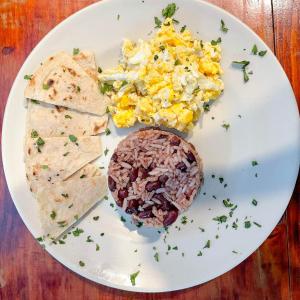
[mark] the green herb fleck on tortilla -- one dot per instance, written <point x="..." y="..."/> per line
<point x="34" y="134"/>
<point x="53" y="215"/>
<point x="28" y="77"/>
<point x="46" y="86"/>
<point x="105" y="87"/>
<point x="72" y="138"/>
<point x="65" y="195"/>
<point x="76" y="51"/>
<point x="40" y="142"/>
<point x="82" y="176"/>
<point x="65" y="154"/>
<point x="68" y="117"/>
<point x="226" y="126"/>
<point x="97" y="247"/>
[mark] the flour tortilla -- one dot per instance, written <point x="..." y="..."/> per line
<point x="89" y="170"/>
<point x="86" y="59"/>
<point x="62" y="81"/>
<point x="65" y="202"/>
<point x="58" y="159"/>
<point x="50" y="121"/>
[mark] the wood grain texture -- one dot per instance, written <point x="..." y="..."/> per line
<point x="28" y="272"/>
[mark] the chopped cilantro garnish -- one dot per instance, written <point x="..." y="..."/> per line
<point x="68" y="117"/>
<point x="139" y="224"/>
<point x="175" y="248"/>
<point x="107" y="131"/>
<point x="254" y="49"/>
<point x="226" y="126"/>
<point x="53" y="215"/>
<point x="34" y="101"/>
<point x="34" y="134"/>
<point x="82" y="176"/>
<point x="213" y="176"/>
<point x="106" y="87"/>
<point x="254" y="202"/>
<point x="221" y="179"/>
<point x="216" y="42"/>
<point x="155" y="57"/>
<point x="220" y="219"/>
<point x="183" y="28"/>
<point x="65" y="154"/>
<point x="71" y="205"/>
<point x="81" y="263"/>
<point x="96" y="218"/>
<point x="97" y="247"/>
<point x="105" y="197"/>
<point x="245" y="75"/>
<point x="199" y="253"/>
<point x="262" y="53"/>
<point x="40" y="239"/>
<point x="169" y="11"/>
<point x="223" y="27"/>
<point x="162" y="48"/>
<point x="40" y="142"/>
<point x="157" y="22"/>
<point x="133" y="277"/>
<point x="44" y="167"/>
<point x="227" y="203"/>
<point x="111" y="205"/>
<point x="99" y="70"/>
<point x="255" y="223"/>
<point x="234" y="225"/>
<point x="72" y="138"/>
<point x="65" y="195"/>
<point x="105" y="152"/>
<point x="123" y="219"/>
<point x="243" y="63"/>
<point x="169" y="247"/>
<point x="61" y="242"/>
<point x="177" y="62"/>
<point x="254" y="163"/>
<point x="247" y="224"/>
<point x="175" y="21"/>
<point x="207" y="245"/>
<point x="233" y="251"/>
<point x="46" y="86"/>
<point x="102" y="233"/>
<point x="77" y="231"/>
<point x="184" y="220"/>
<point x="156" y="256"/>
<point x="118" y="17"/>
<point x="28" y="77"/>
<point x="89" y="240"/>
<point x="202" y="229"/>
<point x="76" y="51"/>
<point x="78" y="89"/>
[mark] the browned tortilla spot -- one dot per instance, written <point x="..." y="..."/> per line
<point x="72" y="72"/>
<point x="54" y="92"/>
<point x="29" y="151"/>
<point x="96" y="128"/>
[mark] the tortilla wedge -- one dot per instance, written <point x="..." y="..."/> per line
<point x="61" y="81"/>
<point x="65" y="202"/>
<point x="86" y="59"/>
<point x="50" y="121"/>
<point x="49" y="160"/>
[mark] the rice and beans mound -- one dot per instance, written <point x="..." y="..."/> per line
<point x="154" y="175"/>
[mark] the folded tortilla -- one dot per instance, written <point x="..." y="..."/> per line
<point x="65" y="202"/>
<point x="61" y="81"/>
<point x="86" y="59"/>
<point x="57" y="158"/>
<point x="50" y="121"/>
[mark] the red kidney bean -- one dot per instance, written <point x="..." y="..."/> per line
<point x="122" y="193"/>
<point x="146" y="214"/>
<point x="165" y="204"/>
<point x="144" y="173"/>
<point x="133" y="174"/>
<point x="181" y="166"/>
<point x="114" y="157"/>
<point x="152" y="186"/>
<point x="170" y="217"/>
<point x="148" y="208"/>
<point x="111" y="184"/>
<point x="163" y="179"/>
<point x="190" y="157"/>
<point x="133" y="204"/>
<point x="175" y="141"/>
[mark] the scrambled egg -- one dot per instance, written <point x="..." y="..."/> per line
<point x="163" y="81"/>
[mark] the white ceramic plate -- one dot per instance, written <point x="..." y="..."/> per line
<point x="267" y="131"/>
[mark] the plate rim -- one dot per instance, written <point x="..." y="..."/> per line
<point x="83" y="273"/>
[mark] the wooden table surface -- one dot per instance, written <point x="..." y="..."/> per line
<point x="28" y="272"/>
